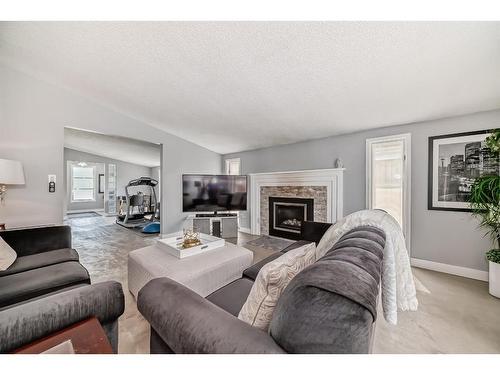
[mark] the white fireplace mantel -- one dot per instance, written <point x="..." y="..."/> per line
<point x="331" y="178"/>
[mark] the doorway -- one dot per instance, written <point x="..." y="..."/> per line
<point x="109" y="177"/>
<point x="388" y="173"/>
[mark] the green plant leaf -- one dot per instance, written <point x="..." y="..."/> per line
<point x="493" y="255"/>
<point x="485" y="204"/>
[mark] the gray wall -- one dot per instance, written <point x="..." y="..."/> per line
<point x="33" y="114"/>
<point x="124" y="173"/>
<point x="439" y="236"/>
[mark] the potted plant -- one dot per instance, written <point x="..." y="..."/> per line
<point x="485" y="204"/>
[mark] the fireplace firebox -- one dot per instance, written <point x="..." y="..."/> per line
<point x="287" y="214"/>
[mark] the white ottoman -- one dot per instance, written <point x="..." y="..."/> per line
<point x="203" y="273"/>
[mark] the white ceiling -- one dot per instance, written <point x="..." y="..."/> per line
<point x="232" y="86"/>
<point x="124" y="149"/>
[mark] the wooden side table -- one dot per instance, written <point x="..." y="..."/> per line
<point x="87" y="337"/>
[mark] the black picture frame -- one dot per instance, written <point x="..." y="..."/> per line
<point x="431" y="188"/>
<point x="101" y="183"/>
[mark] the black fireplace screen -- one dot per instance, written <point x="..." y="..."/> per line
<point x="287" y="214"/>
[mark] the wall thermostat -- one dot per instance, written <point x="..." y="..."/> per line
<point x="52" y="183"/>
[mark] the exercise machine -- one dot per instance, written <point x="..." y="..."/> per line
<point x="141" y="210"/>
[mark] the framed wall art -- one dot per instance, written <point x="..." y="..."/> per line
<point x="455" y="161"/>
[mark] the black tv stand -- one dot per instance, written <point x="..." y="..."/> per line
<point x="215" y="214"/>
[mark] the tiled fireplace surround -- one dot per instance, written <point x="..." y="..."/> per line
<point x="318" y="193"/>
<point x="325" y="186"/>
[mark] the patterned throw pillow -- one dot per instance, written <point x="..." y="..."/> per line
<point x="271" y="280"/>
<point x="7" y="255"/>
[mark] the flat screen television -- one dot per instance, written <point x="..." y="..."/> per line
<point x="214" y="193"/>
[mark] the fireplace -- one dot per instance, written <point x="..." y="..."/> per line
<point x="287" y="214"/>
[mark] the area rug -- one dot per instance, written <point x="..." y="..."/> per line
<point x="270" y="243"/>
<point x="81" y="215"/>
<point x="138" y="231"/>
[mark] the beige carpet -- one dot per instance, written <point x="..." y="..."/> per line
<point x="456" y="315"/>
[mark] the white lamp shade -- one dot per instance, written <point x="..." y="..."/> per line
<point x="11" y="172"/>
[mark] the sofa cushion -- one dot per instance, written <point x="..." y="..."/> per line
<point x="48" y="258"/>
<point x="330" y="307"/>
<point x="270" y="282"/>
<point x="31" y="241"/>
<point x="308" y="319"/>
<point x="355" y="263"/>
<point x="313" y="231"/>
<point x="7" y="255"/>
<point x="29" y="284"/>
<point x="232" y="296"/>
<point x="364" y="232"/>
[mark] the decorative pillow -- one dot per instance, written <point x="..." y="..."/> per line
<point x="7" y="255"/>
<point x="271" y="280"/>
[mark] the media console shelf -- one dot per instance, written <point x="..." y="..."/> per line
<point x="218" y="225"/>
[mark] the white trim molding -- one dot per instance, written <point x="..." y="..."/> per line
<point x="331" y="178"/>
<point x="406" y="138"/>
<point x="470" y="273"/>
<point x="85" y="210"/>
<point x="245" y="230"/>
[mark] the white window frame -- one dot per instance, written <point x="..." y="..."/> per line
<point x="233" y="160"/>
<point x="75" y="164"/>
<point x="406" y="138"/>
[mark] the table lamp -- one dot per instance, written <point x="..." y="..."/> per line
<point x="11" y="173"/>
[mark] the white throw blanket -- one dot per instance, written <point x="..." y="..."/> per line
<point x="398" y="287"/>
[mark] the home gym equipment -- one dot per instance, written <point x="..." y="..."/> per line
<point x="140" y="209"/>
<point x="151" y="228"/>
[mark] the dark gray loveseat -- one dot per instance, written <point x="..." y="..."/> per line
<point x="46" y="289"/>
<point x="46" y="262"/>
<point x="330" y="307"/>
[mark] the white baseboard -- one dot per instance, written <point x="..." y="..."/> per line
<point x="245" y="230"/>
<point x="96" y="210"/>
<point x="470" y="273"/>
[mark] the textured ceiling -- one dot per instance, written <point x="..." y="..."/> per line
<point x="124" y="149"/>
<point x="243" y="85"/>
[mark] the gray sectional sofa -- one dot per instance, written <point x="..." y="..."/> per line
<point x="46" y="262"/>
<point x="46" y="289"/>
<point x="329" y="307"/>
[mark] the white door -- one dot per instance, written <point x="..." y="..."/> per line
<point x="388" y="177"/>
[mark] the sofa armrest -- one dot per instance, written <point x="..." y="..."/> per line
<point x="26" y="322"/>
<point x="38" y="240"/>
<point x="188" y="323"/>
<point x="252" y="271"/>
<point x="295" y="245"/>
